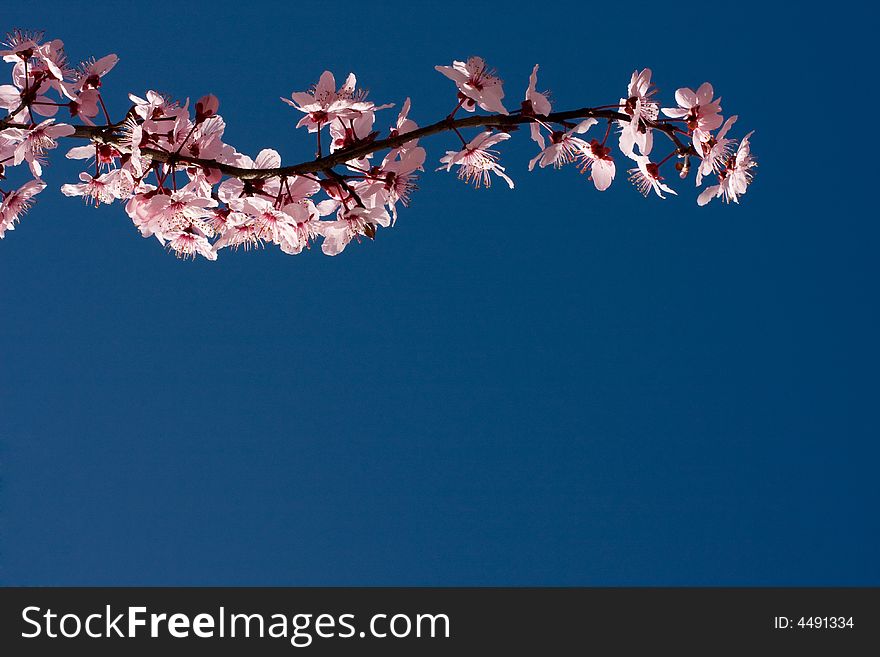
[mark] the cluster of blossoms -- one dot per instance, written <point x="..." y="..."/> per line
<point x="167" y="162"/>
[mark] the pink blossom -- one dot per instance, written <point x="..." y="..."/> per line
<point x="564" y="146"/>
<point x="167" y="214"/>
<point x="347" y="132"/>
<point x="350" y="223"/>
<point x="400" y="178"/>
<point x="734" y="180"/>
<point x="20" y="45"/>
<point x="204" y="140"/>
<point x="206" y="107"/>
<point x="51" y="55"/>
<point x="14" y="204"/>
<point x="270" y="223"/>
<point x="38" y="69"/>
<point x="404" y="125"/>
<point x="647" y="177"/>
<point x="85" y="107"/>
<point x="635" y="133"/>
<point x="640" y="89"/>
<point x="239" y="233"/>
<point x="105" y="155"/>
<point x="596" y="159"/>
<point x="138" y="209"/>
<point x="189" y="244"/>
<point x="154" y="106"/>
<point x="90" y="72"/>
<point x="32" y="83"/>
<point x="233" y="188"/>
<point x="699" y="111"/>
<point x="477" y="160"/>
<point x="477" y="84"/>
<point x="324" y="102"/>
<point x="641" y="107"/>
<point x="394" y="180"/>
<point x="105" y="188"/>
<point x="164" y="123"/>
<point x="305" y="227"/>
<point x="221" y="218"/>
<point x="535" y="104"/>
<point x="715" y="151"/>
<point x="32" y="143"/>
<point x="11" y="98"/>
<point x="7" y="149"/>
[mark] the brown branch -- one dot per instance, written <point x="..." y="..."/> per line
<point x="110" y="135"/>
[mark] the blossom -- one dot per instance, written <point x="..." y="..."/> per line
<point x="351" y="223"/>
<point x="324" y="102"/>
<point x="20" y="45"/>
<point x="305" y="227"/>
<point x="52" y="65"/>
<point x="32" y="143"/>
<point x="206" y="107"/>
<point x="7" y="149"/>
<point x="233" y="188"/>
<point x="105" y="188"/>
<point x="31" y="83"/>
<point x="714" y="151"/>
<point x="536" y="102"/>
<point x="154" y="106"/>
<point x="12" y="98"/>
<point x="564" y="146"/>
<point x="221" y="218"/>
<point x="641" y="107"/>
<point x="635" y="133"/>
<point x="163" y="123"/>
<point x="169" y="213"/>
<point x="477" y="84"/>
<point x="189" y="243"/>
<point x="85" y="106"/>
<point x="270" y="223"/>
<point x="290" y="189"/>
<point x="346" y="132"/>
<point x="477" y="160"/>
<point x="204" y="140"/>
<point x="90" y="72"/>
<point x="647" y="177"/>
<point x="138" y="209"/>
<point x="239" y="233"/>
<point x="38" y="68"/>
<point x="404" y="125"/>
<point x="697" y="108"/>
<point x="105" y="155"/>
<point x="642" y="91"/>
<point x="735" y="178"/>
<point x="400" y="178"/>
<point x="15" y="203"/>
<point x="23" y="46"/>
<point x="394" y="180"/>
<point x="596" y="159"/>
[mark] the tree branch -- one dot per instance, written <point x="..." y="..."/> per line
<point x="110" y="135"/>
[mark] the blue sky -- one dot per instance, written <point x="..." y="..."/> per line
<point x="541" y="386"/>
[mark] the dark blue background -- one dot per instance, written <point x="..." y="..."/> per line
<point x="541" y="386"/>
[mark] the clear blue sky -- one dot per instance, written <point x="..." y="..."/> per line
<point x="541" y="386"/>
